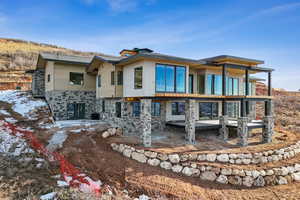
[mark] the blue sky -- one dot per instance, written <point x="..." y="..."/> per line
<point x="262" y="29"/>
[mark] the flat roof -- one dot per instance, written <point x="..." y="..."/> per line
<point x="224" y="57"/>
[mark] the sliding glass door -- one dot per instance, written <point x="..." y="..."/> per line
<point x="208" y="110"/>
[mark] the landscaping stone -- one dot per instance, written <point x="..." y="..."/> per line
<point x="177" y="168"/>
<point x="150" y="154"/>
<point x="235" y="180"/>
<point x="193" y="157"/>
<point x="255" y="174"/>
<point x="187" y="171"/>
<point x="184" y="157"/>
<point x="270" y="180"/>
<point x="211" y="157"/>
<point x="209" y="176"/>
<point x="166" y="165"/>
<point x="139" y="157"/>
<point x="154" y="162"/>
<point x="297" y="167"/>
<point x="162" y="157"/>
<point x="246" y="161"/>
<point x="226" y="171"/>
<point x="223" y="158"/>
<point x="174" y="158"/>
<point x="202" y="157"/>
<point x="105" y="134"/>
<point x="259" y="181"/>
<point x="127" y="152"/>
<point x="296" y="176"/>
<point x="281" y="180"/>
<point x="248" y="181"/>
<point x="222" y="179"/>
<point x="238" y="172"/>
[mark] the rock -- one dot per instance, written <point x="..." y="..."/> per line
<point x="262" y="172"/>
<point x="248" y="181"/>
<point x="291" y="169"/>
<point x="187" y="171"/>
<point x="119" y="131"/>
<point x="231" y="161"/>
<point x="166" y="165"/>
<point x="139" y="157"/>
<point x="238" y="161"/>
<point x="222" y="179"/>
<point x="153" y="162"/>
<point x="209" y="176"/>
<point x="233" y="156"/>
<point x="150" y="154"/>
<point x="269" y="172"/>
<point x="281" y="180"/>
<point x="177" y="168"/>
<point x="246" y="161"/>
<point x="270" y="180"/>
<point x="284" y="171"/>
<point x="112" y="131"/>
<point x="121" y="148"/>
<point x="174" y="158"/>
<point x="162" y="157"/>
<point x="211" y="157"/>
<point x="235" y="180"/>
<point x="259" y="182"/>
<point x="223" y="158"/>
<point x="226" y="171"/>
<point x="196" y="172"/>
<point x="127" y="153"/>
<point x="255" y="174"/>
<point x="297" y="167"/>
<point x="192" y="156"/>
<point x="216" y="170"/>
<point x="202" y="157"/>
<point x="184" y="157"/>
<point x="194" y="165"/>
<point x="238" y="172"/>
<point x="105" y="134"/>
<point x="296" y="176"/>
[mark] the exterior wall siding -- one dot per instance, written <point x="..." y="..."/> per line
<point x="58" y="101"/>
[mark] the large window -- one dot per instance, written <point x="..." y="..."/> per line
<point x="209" y="84"/>
<point x="191" y="83"/>
<point x="233" y="109"/>
<point x="218" y="84"/>
<point x="178" y="108"/>
<point x="232" y="86"/>
<point x="136" y="109"/>
<point x="208" y="110"/>
<point x="99" y="81"/>
<point x="155" y="109"/>
<point x="138" y="78"/>
<point x="118" y="109"/>
<point x="170" y="78"/>
<point x="76" y="78"/>
<point x="201" y="83"/>
<point x="120" y="77"/>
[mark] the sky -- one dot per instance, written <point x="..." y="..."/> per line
<point x="267" y="30"/>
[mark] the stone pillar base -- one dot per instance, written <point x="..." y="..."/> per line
<point x="145" y="118"/>
<point x="223" y="130"/>
<point x="242" y="131"/>
<point x="190" y="120"/>
<point x="268" y="129"/>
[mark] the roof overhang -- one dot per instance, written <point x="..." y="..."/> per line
<point x="233" y="59"/>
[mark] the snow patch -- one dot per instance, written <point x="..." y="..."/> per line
<point x="62" y="184"/>
<point x="57" y="140"/>
<point x="4" y="112"/>
<point x="11" y="120"/>
<point x="22" y="104"/>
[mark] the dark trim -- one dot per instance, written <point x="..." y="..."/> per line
<point x="269" y="83"/>
<point x="224" y="80"/>
<point x="243" y="110"/>
<point x="246" y="82"/>
<point x="242" y="67"/>
<point x="224" y="107"/>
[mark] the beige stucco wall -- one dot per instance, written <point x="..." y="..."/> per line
<point x="49" y="70"/>
<point x="106" y="89"/>
<point x="62" y="76"/>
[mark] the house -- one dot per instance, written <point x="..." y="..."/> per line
<point x="142" y="91"/>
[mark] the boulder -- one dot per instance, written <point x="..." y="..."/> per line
<point x="255" y="173"/>
<point x="233" y="156"/>
<point x="154" y="162"/>
<point x="162" y="157"/>
<point x="211" y="157"/>
<point x="121" y="148"/>
<point x="127" y="152"/>
<point x="238" y="172"/>
<point x="174" y="158"/>
<point x="246" y="161"/>
<point x="222" y="179"/>
<point x="223" y="158"/>
<point x="193" y="156"/>
<point x="296" y="176"/>
<point x="259" y="181"/>
<point x="187" y="171"/>
<point x="177" y="168"/>
<point x="150" y="154"/>
<point x="119" y="131"/>
<point x="248" y="181"/>
<point x="281" y="180"/>
<point x="270" y="180"/>
<point x="166" y="165"/>
<point x="202" y="157"/>
<point x="226" y="171"/>
<point x="208" y="175"/>
<point x="284" y="171"/>
<point x="105" y="134"/>
<point x="297" y="167"/>
<point x="184" y="157"/>
<point x="235" y="180"/>
<point x="139" y="157"/>
<point x="269" y="172"/>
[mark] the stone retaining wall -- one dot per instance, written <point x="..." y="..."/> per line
<point x="38" y="83"/>
<point x="248" y="178"/>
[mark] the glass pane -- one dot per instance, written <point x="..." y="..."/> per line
<point x="191" y="83"/>
<point x="233" y="109"/>
<point x="160" y="78"/>
<point x="230" y="86"/>
<point x="136" y="109"/>
<point x="174" y="108"/>
<point x="209" y="84"/>
<point x="170" y="78"/>
<point x="204" y="111"/>
<point x="181" y="108"/>
<point x="201" y="83"/>
<point x="214" y="111"/>
<point x="138" y="78"/>
<point x="218" y="85"/>
<point x="76" y="78"/>
<point x="235" y="86"/>
<point x="180" y="79"/>
<point x="155" y="109"/>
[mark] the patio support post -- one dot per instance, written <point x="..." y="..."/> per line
<point x="223" y="120"/>
<point x="145" y="118"/>
<point x="190" y="120"/>
<point x="268" y="121"/>
<point x="163" y="115"/>
<point x="269" y="83"/>
<point x="242" y="129"/>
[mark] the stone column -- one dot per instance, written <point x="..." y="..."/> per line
<point x="145" y="118"/>
<point x="223" y="130"/>
<point x="242" y="131"/>
<point x="268" y="129"/>
<point x="190" y="120"/>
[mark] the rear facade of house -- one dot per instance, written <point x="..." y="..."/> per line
<point x="142" y="91"/>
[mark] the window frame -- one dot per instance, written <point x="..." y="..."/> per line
<point x="112" y="77"/>
<point x="119" y="77"/>
<point x="177" y="110"/>
<point x="134" y="106"/>
<point x="136" y="87"/>
<point x="155" y="109"/>
<point x="175" y="78"/>
<point x="78" y="73"/>
<point x="118" y="112"/>
<point x="99" y="81"/>
<point x="48" y="78"/>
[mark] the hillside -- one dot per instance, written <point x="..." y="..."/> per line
<point x="16" y="56"/>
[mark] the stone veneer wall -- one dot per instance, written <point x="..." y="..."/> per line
<point x="38" y="83"/>
<point x="131" y="125"/>
<point x="58" y="101"/>
<point x="224" y="175"/>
